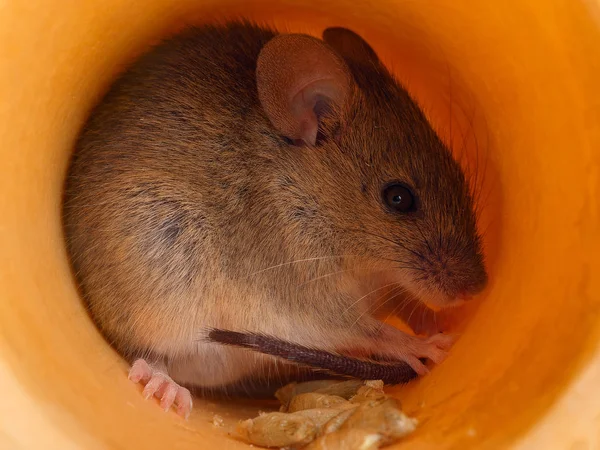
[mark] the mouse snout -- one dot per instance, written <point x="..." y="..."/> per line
<point x="452" y="276"/>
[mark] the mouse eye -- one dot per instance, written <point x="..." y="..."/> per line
<point x="399" y="198"/>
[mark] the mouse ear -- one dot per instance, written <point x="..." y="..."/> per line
<point x="299" y="78"/>
<point x="350" y="45"/>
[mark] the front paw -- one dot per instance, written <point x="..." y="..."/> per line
<point x="413" y="349"/>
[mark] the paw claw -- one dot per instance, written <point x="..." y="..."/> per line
<point x="168" y="396"/>
<point x="184" y="403"/>
<point x="140" y="372"/>
<point x="153" y="386"/>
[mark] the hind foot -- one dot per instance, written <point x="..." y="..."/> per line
<point x="159" y="384"/>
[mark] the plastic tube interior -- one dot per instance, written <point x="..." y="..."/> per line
<point x="511" y="84"/>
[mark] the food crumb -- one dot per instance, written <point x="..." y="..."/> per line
<point x="218" y="421"/>
<point x="362" y="417"/>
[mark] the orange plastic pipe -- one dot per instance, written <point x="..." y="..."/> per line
<point x="512" y="84"/>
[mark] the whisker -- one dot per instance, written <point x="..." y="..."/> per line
<point x="450" y="99"/>
<point x="423" y="313"/>
<point x="319" y="258"/>
<point x="399" y="244"/>
<point x="397" y="261"/>
<point x="410" y="268"/>
<point x="425" y="239"/>
<point x="394" y="292"/>
<point x="366" y="295"/>
<point x="463" y="147"/>
<point x="476" y="181"/>
<point x="487" y="154"/>
<point x="481" y="183"/>
<point x="412" y="312"/>
<point x="397" y="291"/>
<point x="361" y="271"/>
<point x="486" y="229"/>
<point x="393" y="312"/>
<point x="329" y="275"/>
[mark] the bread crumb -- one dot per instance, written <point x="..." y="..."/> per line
<point x="218" y="421"/>
<point x="362" y="418"/>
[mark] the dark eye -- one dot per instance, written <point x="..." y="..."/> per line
<point x="399" y="198"/>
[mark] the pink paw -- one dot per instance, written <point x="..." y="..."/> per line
<point x="162" y="386"/>
<point x="411" y="349"/>
<point x="434" y="348"/>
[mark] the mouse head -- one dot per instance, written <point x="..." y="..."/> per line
<point x="371" y="178"/>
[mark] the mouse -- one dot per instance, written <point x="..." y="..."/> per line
<point x="271" y="184"/>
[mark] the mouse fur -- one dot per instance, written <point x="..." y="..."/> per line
<point x="198" y="198"/>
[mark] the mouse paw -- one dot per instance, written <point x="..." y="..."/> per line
<point x="412" y="349"/>
<point x="160" y="385"/>
<point x="434" y="348"/>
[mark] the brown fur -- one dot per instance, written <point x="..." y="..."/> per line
<point x="181" y="192"/>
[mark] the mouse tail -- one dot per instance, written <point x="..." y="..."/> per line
<point x="388" y="372"/>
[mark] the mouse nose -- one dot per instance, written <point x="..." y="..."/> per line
<point x="476" y="283"/>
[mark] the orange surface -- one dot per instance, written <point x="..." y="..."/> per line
<point x="513" y="84"/>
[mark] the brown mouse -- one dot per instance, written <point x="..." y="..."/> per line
<point x="275" y="184"/>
